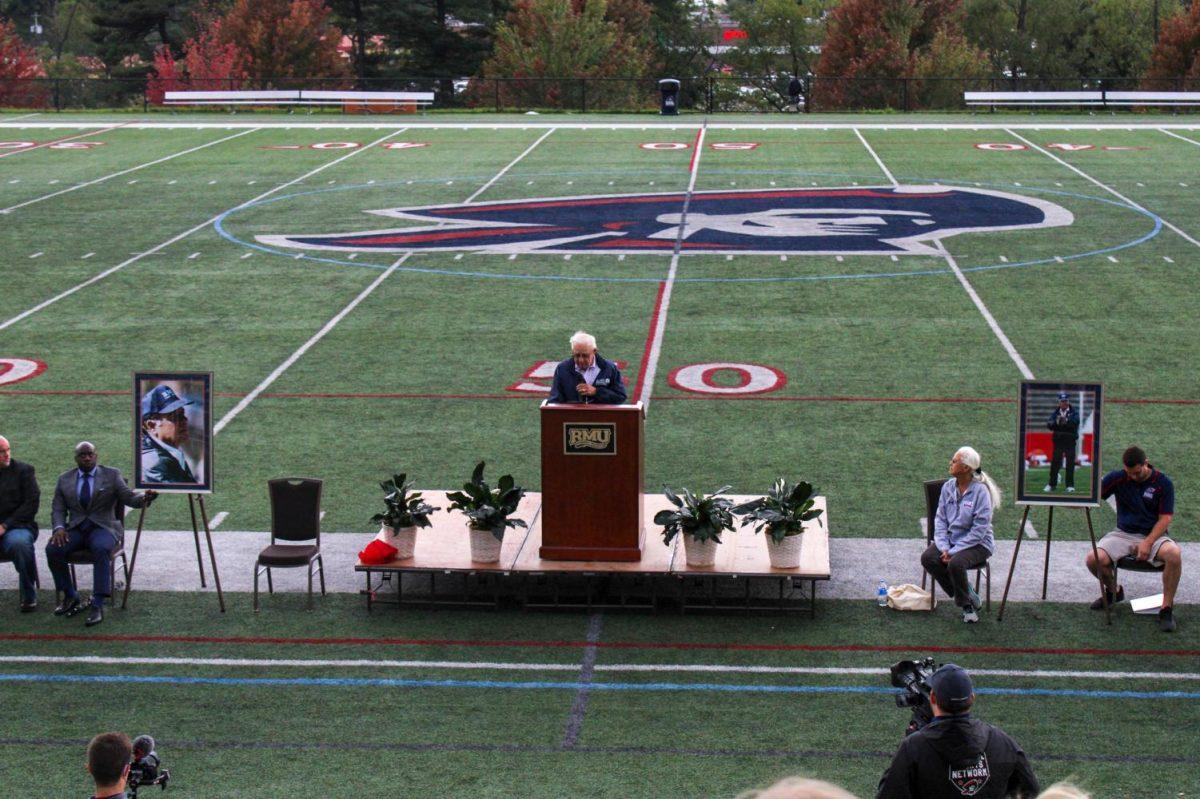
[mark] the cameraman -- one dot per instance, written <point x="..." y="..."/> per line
<point x="108" y="761"/>
<point x="955" y="755"/>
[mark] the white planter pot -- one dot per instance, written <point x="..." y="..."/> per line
<point x="699" y="553"/>
<point x="485" y="547"/>
<point x="403" y="539"/>
<point x="785" y="555"/>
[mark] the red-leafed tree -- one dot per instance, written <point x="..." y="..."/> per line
<point x="209" y="61"/>
<point x="1175" y="60"/>
<point x="872" y="46"/>
<point x="284" y="42"/>
<point x="19" y="67"/>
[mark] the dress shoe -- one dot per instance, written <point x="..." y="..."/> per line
<point x="95" y="616"/>
<point x="69" y="607"/>
<point x="29" y="607"/>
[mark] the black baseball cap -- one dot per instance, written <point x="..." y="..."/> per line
<point x="1062" y="395"/>
<point x="161" y="400"/>
<point x="953" y="687"/>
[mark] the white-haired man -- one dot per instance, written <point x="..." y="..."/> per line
<point x="586" y="377"/>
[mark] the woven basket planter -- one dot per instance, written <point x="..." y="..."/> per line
<point x="700" y="553"/>
<point x="785" y="555"/>
<point x="403" y="539"/>
<point x="485" y="547"/>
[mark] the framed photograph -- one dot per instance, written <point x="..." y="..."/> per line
<point x="172" y="432"/>
<point x="1058" y="443"/>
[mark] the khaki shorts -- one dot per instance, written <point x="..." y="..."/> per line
<point x="1119" y="543"/>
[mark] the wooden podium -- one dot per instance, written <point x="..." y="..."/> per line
<point x="592" y="472"/>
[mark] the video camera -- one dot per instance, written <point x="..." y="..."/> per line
<point x="913" y="676"/>
<point x="145" y="767"/>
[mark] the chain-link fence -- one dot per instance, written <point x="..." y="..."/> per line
<point x="706" y="94"/>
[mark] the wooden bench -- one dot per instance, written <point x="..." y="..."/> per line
<point x="1086" y="99"/>
<point x="348" y="99"/>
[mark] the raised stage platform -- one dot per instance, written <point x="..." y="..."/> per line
<point x="442" y="565"/>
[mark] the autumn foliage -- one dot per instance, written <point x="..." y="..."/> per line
<point x="256" y="43"/>
<point x="19" y="65"/>
<point x="210" y="62"/>
<point x="278" y="40"/>
<point x="871" y="45"/>
<point x="1175" y="61"/>
<point x="544" y="47"/>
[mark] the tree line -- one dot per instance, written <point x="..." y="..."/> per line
<point x="858" y="50"/>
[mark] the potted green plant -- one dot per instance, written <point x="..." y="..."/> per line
<point x="782" y="514"/>
<point x="404" y="512"/>
<point x="701" y="520"/>
<point x="487" y="512"/>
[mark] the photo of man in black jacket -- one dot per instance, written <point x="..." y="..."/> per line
<point x="1063" y="425"/>
<point x="956" y="755"/>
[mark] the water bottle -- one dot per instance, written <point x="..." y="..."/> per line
<point x="881" y="594"/>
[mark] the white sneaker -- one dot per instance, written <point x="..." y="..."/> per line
<point x="1047" y="488"/>
<point x="1070" y="489"/>
<point x="970" y="616"/>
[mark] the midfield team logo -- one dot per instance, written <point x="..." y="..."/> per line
<point x="889" y="220"/>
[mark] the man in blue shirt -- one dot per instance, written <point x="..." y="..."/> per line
<point x="1145" y="506"/>
<point x="586" y="377"/>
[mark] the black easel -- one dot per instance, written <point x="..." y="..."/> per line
<point x="1046" y="566"/>
<point x="193" y="501"/>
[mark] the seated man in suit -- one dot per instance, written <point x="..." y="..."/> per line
<point x="586" y="377"/>
<point x="84" y="516"/>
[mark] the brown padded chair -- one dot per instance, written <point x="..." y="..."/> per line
<point x="933" y="492"/>
<point x="295" y="516"/>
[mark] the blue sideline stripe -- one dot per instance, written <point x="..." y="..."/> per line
<point x="353" y="682"/>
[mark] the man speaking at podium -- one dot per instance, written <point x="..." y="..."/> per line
<point x="586" y="377"/>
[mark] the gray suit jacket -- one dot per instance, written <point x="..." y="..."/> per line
<point x="108" y="488"/>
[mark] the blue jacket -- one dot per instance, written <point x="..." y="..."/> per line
<point x="962" y="522"/>
<point x="1065" y="431"/>
<point x="610" y="387"/>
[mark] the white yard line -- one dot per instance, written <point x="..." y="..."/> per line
<point x="216" y="520"/>
<point x="59" y="141"/>
<point x="332" y="323"/>
<point x="878" y="160"/>
<point x="630" y="668"/>
<point x="962" y="279"/>
<point x="1177" y="136"/>
<point x="1108" y="189"/>
<point x="660" y="322"/>
<point x="97" y="278"/>
<point x="24" y="116"/>
<point x="502" y="172"/>
<point x="12" y="208"/>
<point x="987" y="315"/>
<point x="305" y="347"/>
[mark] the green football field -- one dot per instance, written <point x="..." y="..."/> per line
<point x="141" y="252"/>
<point x="135" y="245"/>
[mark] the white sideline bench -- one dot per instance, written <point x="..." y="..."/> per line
<point x="297" y="97"/>
<point x="1091" y="98"/>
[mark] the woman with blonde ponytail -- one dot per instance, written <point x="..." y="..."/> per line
<point x="962" y="530"/>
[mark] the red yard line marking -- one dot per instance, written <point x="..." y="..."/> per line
<point x="637" y="389"/>
<point x="695" y="152"/>
<point x="448" y="642"/>
<point x="64" y="138"/>
<point x="658" y="303"/>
